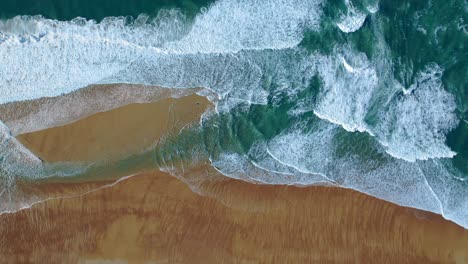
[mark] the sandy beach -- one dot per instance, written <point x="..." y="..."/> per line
<point x="116" y="133"/>
<point x="154" y="217"/>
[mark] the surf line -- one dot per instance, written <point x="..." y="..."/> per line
<point x="71" y="196"/>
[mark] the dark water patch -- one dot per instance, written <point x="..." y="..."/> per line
<point x="457" y="140"/>
<point x="95" y="9"/>
<point x="422" y="32"/>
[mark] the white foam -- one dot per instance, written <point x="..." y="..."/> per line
<point x="347" y="66"/>
<point x="373" y="8"/>
<point x="15" y="160"/>
<point x="232" y="26"/>
<point x="264" y="159"/>
<point x="60" y="62"/>
<point x="414" y="125"/>
<point x="242" y="167"/>
<point x="352" y="20"/>
<point x="42" y="57"/>
<point x="347" y="90"/>
<point x="451" y="192"/>
<point x="168" y="25"/>
<point x="14" y="151"/>
<point x="426" y="185"/>
<point x="411" y="123"/>
<point x="305" y="152"/>
<point x="237" y="78"/>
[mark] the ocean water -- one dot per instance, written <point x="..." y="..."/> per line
<point x="369" y="95"/>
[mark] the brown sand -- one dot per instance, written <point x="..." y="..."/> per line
<point x="115" y="133"/>
<point x="34" y="115"/>
<point x="155" y="218"/>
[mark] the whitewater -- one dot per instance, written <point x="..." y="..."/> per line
<point x="351" y="122"/>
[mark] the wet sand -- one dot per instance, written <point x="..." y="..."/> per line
<point x="156" y="218"/>
<point x="34" y="115"/>
<point x="116" y="133"/>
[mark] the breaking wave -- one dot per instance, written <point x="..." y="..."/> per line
<point x="353" y="19"/>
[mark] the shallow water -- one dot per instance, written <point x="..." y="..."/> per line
<point x="366" y="95"/>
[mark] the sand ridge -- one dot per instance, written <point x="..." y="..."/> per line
<point x="116" y="133"/>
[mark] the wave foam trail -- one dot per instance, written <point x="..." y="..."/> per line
<point x="308" y="151"/>
<point x="452" y="195"/>
<point x="42" y="57"/>
<point x="411" y="123"/>
<point x="15" y="160"/>
<point x="14" y="154"/>
<point x="239" y="77"/>
<point x="353" y="19"/>
<point x="231" y="26"/>
<point x="314" y="157"/>
<point x="347" y="90"/>
<point x="242" y="167"/>
<point x="415" y="123"/>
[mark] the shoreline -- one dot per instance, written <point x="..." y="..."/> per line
<point x="180" y="226"/>
<point x="173" y="112"/>
<point x="200" y="216"/>
<point x="94" y="145"/>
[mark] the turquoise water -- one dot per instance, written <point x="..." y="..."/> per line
<point x="369" y="95"/>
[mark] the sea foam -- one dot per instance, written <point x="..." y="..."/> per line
<point x="353" y="19"/>
<point x="416" y="121"/>
<point x="426" y="185"/>
<point x="410" y="123"/>
<point x="15" y="161"/>
<point x="347" y="90"/>
<point x="42" y="57"/>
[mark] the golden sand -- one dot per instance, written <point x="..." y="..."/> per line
<point x="116" y="133"/>
<point x="156" y="218"/>
<point x="34" y="115"/>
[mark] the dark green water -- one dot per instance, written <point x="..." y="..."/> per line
<point x="94" y="9"/>
<point x="370" y="95"/>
